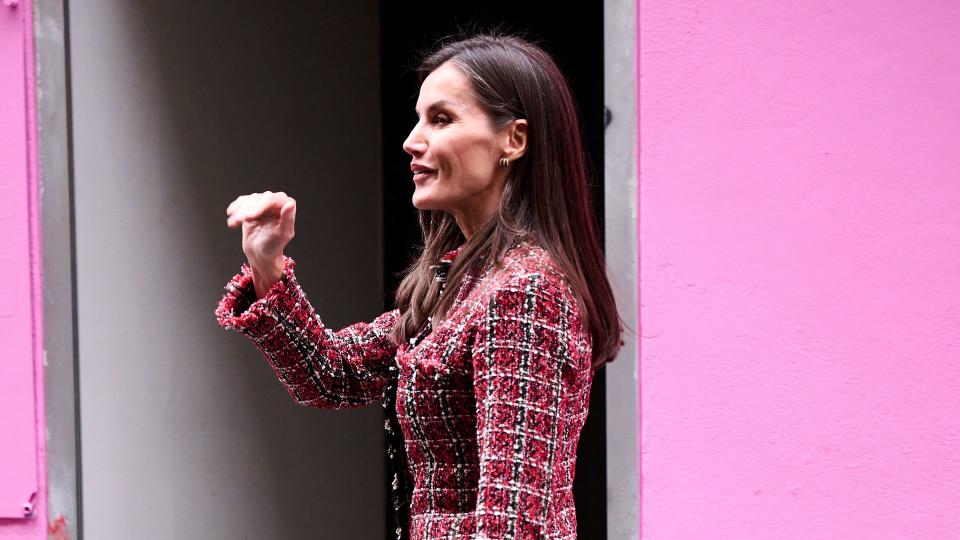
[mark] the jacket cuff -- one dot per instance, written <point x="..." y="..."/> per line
<point x="240" y="310"/>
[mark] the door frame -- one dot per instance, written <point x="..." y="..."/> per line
<point x="622" y="254"/>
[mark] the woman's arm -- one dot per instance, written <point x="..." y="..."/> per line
<point x="529" y="357"/>
<point x="318" y="366"/>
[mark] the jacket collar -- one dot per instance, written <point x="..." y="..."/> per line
<point x="452" y="254"/>
<point x="442" y="268"/>
<point x="449" y="256"/>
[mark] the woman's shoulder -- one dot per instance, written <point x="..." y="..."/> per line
<point x="530" y="283"/>
<point x="529" y="267"/>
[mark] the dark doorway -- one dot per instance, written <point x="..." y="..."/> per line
<point x="575" y="39"/>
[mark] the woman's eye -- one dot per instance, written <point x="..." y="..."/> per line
<point x="441" y="118"/>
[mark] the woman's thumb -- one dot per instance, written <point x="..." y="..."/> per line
<point x="287" y="216"/>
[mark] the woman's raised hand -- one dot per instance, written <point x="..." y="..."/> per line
<point x="267" y="219"/>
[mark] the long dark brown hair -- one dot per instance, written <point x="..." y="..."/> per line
<point x="545" y="199"/>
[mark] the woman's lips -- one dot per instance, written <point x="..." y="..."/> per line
<point x="422" y="175"/>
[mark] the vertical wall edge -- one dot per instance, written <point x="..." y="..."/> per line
<point x="620" y="166"/>
<point x="57" y="263"/>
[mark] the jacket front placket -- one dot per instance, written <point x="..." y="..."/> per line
<point x="402" y="484"/>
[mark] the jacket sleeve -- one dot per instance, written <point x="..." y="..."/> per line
<point x="318" y="366"/>
<point x="523" y="369"/>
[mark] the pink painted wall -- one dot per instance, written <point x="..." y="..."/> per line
<point x="800" y="269"/>
<point x="22" y="470"/>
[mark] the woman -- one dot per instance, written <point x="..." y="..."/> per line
<point x="487" y="385"/>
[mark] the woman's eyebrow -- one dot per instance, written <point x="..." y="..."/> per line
<point x="437" y="105"/>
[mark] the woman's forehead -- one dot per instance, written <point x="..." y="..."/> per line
<point x="444" y="87"/>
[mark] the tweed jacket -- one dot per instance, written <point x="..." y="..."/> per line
<point x="489" y="404"/>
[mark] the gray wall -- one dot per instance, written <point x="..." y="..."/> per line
<point x="620" y="185"/>
<point x="56" y="229"/>
<point x="178" y="107"/>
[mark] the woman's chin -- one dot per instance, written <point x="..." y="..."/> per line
<point x="425" y="207"/>
<point x="424" y="202"/>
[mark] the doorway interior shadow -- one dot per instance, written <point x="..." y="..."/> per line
<point x="574" y="37"/>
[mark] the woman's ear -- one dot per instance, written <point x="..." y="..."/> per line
<point x="515" y="139"/>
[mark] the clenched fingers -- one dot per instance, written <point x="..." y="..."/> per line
<point x="254" y="206"/>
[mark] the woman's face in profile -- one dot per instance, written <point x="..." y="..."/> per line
<point x="455" y="139"/>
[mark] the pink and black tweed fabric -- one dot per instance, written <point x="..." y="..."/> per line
<point x="490" y="403"/>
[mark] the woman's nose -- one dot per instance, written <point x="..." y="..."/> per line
<point x="414" y="144"/>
